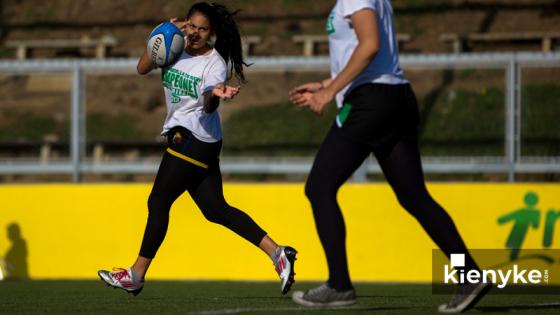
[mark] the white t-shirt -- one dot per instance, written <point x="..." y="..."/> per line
<point x="184" y="83"/>
<point x="385" y="67"/>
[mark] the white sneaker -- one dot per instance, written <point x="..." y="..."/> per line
<point x="284" y="266"/>
<point x="124" y="279"/>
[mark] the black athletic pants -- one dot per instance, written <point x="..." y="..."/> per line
<point x="335" y="162"/>
<point x="175" y="176"/>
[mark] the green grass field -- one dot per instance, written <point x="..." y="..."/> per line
<point x="175" y="297"/>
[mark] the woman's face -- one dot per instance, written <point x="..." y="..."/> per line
<point x="198" y="31"/>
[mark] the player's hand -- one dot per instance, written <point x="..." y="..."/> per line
<point x="311" y="95"/>
<point x="225" y="92"/>
<point x="307" y="87"/>
<point x="181" y="24"/>
<point x="301" y="99"/>
<point x="301" y="94"/>
<point x="319" y="100"/>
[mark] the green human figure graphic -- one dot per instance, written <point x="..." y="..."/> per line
<point x="551" y="217"/>
<point x="523" y="219"/>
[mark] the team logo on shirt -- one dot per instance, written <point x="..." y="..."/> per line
<point x="330" y="24"/>
<point x="180" y="84"/>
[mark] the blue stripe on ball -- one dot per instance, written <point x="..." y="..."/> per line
<point x="168" y="30"/>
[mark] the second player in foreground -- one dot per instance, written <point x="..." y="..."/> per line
<point x="378" y="114"/>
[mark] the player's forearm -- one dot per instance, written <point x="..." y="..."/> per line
<point x="211" y="102"/>
<point x="326" y="82"/>
<point x="145" y="64"/>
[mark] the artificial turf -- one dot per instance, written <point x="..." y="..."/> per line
<point x="186" y="297"/>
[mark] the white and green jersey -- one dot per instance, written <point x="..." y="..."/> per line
<point x="385" y="67"/>
<point x="184" y="84"/>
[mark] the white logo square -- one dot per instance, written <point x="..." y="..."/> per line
<point x="457" y="260"/>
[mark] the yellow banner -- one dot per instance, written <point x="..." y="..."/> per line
<point x="70" y="231"/>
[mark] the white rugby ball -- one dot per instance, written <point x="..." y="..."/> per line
<point x="165" y="43"/>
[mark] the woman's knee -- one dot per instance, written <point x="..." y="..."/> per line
<point x="411" y="208"/>
<point x="214" y="217"/>
<point x="418" y="205"/>
<point x="158" y="205"/>
<point x="217" y="214"/>
<point x="316" y="189"/>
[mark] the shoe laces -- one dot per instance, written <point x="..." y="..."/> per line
<point x="120" y="273"/>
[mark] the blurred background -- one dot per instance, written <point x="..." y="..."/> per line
<point x="72" y="108"/>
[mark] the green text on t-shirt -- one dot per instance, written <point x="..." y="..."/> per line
<point x="180" y="84"/>
<point x="330" y="24"/>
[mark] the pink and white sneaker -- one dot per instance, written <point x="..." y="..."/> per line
<point x="124" y="279"/>
<point x="284" y="265"/>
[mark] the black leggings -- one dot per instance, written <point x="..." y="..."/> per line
<point x="205" y="187"/>
<point x="336" y="160"/>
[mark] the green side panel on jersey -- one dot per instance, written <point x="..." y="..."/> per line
<point x="343" y="113"/>
<point x="330" y="25"/>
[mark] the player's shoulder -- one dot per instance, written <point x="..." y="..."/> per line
<point x="217" y="59"/>
<point x="349" y="7"/>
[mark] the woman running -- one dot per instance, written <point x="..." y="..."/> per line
<point x="378" y="114"/>
<point x="194" y="86"/>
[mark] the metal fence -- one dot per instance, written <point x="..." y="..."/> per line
<point x="510" y="164"/>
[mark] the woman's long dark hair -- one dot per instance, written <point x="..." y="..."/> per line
<point x="228" y="38"/>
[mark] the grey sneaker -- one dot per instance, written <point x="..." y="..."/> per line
<point x="466" y="296"/>
<point x="284" y="266"/>
<point x="323" y="296"/>
<point x="124" y="279"/>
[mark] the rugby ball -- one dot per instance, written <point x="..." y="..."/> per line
<point x="165" y="43"/>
